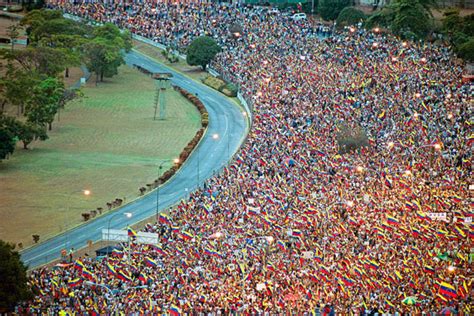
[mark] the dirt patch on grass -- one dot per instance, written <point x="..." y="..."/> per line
<point x="107" y="143"/>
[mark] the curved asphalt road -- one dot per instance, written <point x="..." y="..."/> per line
<point x="226" y="120"/>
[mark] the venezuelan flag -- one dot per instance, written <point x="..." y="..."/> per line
<point x="441" y="232"/>
<point x="187" y="235"/>
<point x="417" y="204"/>
<point x="281" y="245"/>
<point x="297" y="232"/>
<point x="150" y="262"/>
<point x="387" y="302"/>
<point x="131" y="232"/>
<point x="324" y="270"/>
<point x="271" y="266"/>
<point x="421" y="215"/>
<point x="320" y="153"/>
<point x="347" y="281"/>
<point x="117" y="252"/>
<point x="79" y="265"/>
<point x="392" y="220"/>
<point x="175" y="229"/>
<point x="358" y="271"/>
<point x="160" y="250"/>
<point x="110" y="269"/>
<point x="457" y="199"/>
<point x="318" y="258"/>
<point x="429" y="269"/>
<point x="416" y="232"/>
<point x="447" y="289"/>
<point x="174" y="310"/>
<point x="415" y="251"/>
<point x="142" y="277"/>
<point x="459" y="232"/>
<point x="373" y="265"/>
<point x="267" y="220"/>
<point x="123" y="276"/>
<point x="74" y="282"/>
<point x="207" y="208"/>
<point x="87" y="274"/>
<point x="382" y="115"/>
<point x="165" y="219"/>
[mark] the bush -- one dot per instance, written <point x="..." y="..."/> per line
<point x="350" y="16"/>
<point x="351" y="139"/>
<point x="231" y="90"/>
<point x="466" y="50"/>
<point x="330" y="9"/>
<point x="170" y="55"/>
<point x="215" y="83"/>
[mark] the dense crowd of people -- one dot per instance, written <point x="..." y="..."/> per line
<point x="298" y="222"/>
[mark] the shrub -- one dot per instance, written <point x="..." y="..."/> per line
<point x="231" y="90"/>
<point x="215" y="83"/>
<point x="350" y="16"/>
<point x="466" y="50"/>
<point x="351" y="138"/>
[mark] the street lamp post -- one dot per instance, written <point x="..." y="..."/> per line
<point x="214" y="137"/>
<point x="86" y="193"/>
<point x="176" y="160"/>
<point x="127" y="214"/>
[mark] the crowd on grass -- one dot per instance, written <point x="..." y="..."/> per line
<point x="297" y="222"/>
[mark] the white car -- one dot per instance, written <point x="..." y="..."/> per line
<point x="299" y="16"/>
<point x="273" y="11"/>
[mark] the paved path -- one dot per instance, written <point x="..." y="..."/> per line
<point x="226" y="120"/>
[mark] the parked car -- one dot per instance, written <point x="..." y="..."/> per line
<point x="274" y="11"/>
<point x="299" y="16"/>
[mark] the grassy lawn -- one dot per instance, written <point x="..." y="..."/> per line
<point x="107" y="143"/>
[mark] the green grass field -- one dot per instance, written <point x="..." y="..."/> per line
<point x="107" y="143"/>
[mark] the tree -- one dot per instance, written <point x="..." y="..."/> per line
<point x="34" y="19"/>
<point x="14" y="287"/>
<point x="112" y="34"/>
<point x="411" y="18"/>
<point x="44" y="102"/>
<point x="7" y="146"/>
<point x="350" y="16"/>
<point x="201" y="51"/>
<point x="330" y="9"/>
<point x="29" y="132"/>
<point x="466" y="50"/>
<point x="48" y="61"/>
<point x="102" y="57"/>
<point x="17" y="86"/>
<point x="406" y="18"/>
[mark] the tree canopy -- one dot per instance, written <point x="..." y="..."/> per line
<point x="201" y="51"/>
<point x="330" y="9"/>
<point x="406" y="18"/>
<point x="13" y="288"/>
<point x="350" y="16"/>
